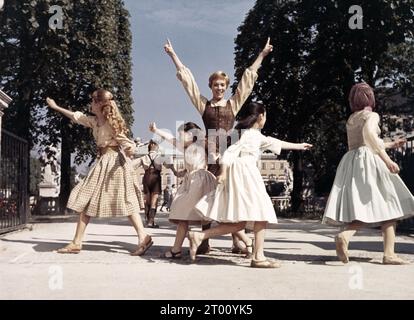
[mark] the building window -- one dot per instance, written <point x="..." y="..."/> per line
<point x="263" y="166"/>
<point x="282" y="166"/>
<point x="272" y="166"/>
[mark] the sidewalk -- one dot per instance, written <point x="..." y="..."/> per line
<point x="105" y="270"/>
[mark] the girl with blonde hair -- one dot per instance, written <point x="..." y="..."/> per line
<point x="109" y="190"/>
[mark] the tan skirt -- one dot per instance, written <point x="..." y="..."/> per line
<point x="109" y="190"/>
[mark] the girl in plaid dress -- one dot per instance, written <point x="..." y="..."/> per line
<point x="109" y="189"/>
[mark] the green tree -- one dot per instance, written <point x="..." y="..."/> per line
<point x="317" y="58"/>
<point x="91" y="51"/>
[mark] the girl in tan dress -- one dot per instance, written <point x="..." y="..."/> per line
<point x="109" y="189"/>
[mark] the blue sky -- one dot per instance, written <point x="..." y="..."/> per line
<point x="202" y="32"/>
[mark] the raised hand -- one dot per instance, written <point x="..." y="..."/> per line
<point x="267" y="48"/>
<point x="169" y="48"/>
<point x="152" y="127"/>
<point x="52" y="104"/>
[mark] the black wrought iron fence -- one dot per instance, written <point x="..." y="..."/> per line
<point x="14" y="200"/>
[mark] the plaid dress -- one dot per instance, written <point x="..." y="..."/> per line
<point x="110" y="188"/>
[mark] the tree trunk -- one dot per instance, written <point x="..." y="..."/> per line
<point x="297" y="200"/>
<point x="65" y="186"/>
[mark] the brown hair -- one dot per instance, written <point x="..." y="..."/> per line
<point x="218" y="75"/>
<point x="152" y="144"/>
<point x="110" y="111"/>
<point x="361" y="96"/>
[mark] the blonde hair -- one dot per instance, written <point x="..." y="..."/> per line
<point x="218" y="75"/>
<point x="110" y="111"/>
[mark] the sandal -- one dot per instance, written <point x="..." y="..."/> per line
<point x="172" y="255"/>
<point x="71" y="248"/>
<point x="265" y="264"/>
<point x="143" y="247"/>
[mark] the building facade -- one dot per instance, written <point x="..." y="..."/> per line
<point x="272" y="170"/>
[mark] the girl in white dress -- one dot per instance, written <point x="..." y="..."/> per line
<point x="241" y="195"/>
<point x="197" y="182"/>
<point x="367" y="189"/>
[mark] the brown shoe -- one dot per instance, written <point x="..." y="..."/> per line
<point x="394" y="260"/>
<point x="71" y="248"/>
<point x="342" y="248"/>
<point x="265" y="264"/>
<point x="143" y="247"/>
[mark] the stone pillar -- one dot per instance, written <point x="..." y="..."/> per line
<point x="4" y="103"/>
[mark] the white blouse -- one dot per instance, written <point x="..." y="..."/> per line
<point x="253" y="143"/>
<point x="244" y="89"/>
<point x="104" y="135"/>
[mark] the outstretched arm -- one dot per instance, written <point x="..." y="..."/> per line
<point x="187" y="79"/>
<point x="276" y="145"/>
<point x="77" y="116"/>
<point x="246" y="84"/>
<point x="263" y="54"/>
<point x="165" y="135"/>
<point x="398" y="143"/>
<point x="52" y="104"/>
<point x="296" y="146"/>
<point x="170" y="51"/>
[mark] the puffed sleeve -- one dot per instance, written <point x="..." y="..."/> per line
<point x="126" y="144"/>
<point x="82" y="119"/>
<point x="271" y="144"/>
<point x="191" y="87"/>
<point x="244" y="89"/>
<point x="371" y="133"/>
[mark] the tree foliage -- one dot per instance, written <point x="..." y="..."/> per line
<point x="317" y="58"/>
<point x="91" y="50"/>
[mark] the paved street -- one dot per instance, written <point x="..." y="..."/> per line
<point x="105" y="270"/>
